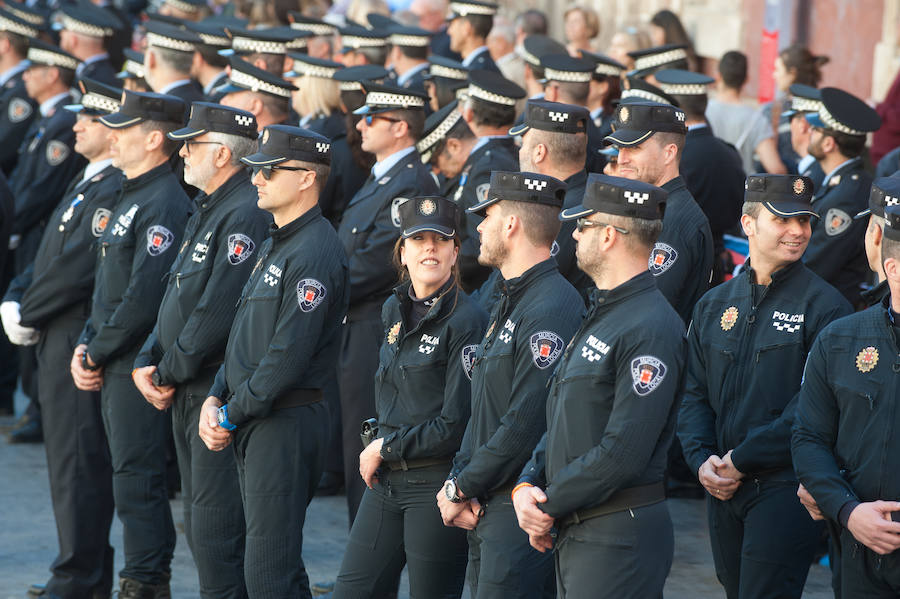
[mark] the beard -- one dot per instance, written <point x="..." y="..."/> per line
<point x="199" y="174"/>
<point x="493" y="253"/>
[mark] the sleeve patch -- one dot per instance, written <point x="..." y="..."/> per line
<point x="19" y="110"/>
<point x="467" y="355"/>
<point x="99" y="221"/>
<point x="647" y="372"/>
<point x="837" y="221"/>
<point x="57" y="152"/>
<point x="481" y="193"/>
<point x="395" y="211"/>
<point x="239" y="248"/>
<point x="310" y="294"/>
<point x="546" y="346"/>
<point x="159" y="239"/>
<point x="662" y="258"/>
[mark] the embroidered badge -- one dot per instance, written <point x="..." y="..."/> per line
<point x="393" y="332"/>
<point x="395" y="211"/>
<point x="788" y="323"/>
<point x="310" y="294"/>
<point x="467" y="355"/>
<point x="272" y="276"/>
<point x="866" y="359"/>
<point x="99" y="221"/>
<point x="239" y="248"/>
<point x="427" y="207"/>
<point x="545" y="348"/>
<point x="647" y="372"/>
<point x="798" y="186"/>
<point x="837" y="221"/>
<point x="623" y="114"/>
<point x="428" y="343"/>
<point x="481" y="192"/>
<point x="19" y="110"/>
<point x="56" y="152"/>
<point x="594" y="349"/>
<point x="661" y="259"/>
<point x="509" y="327"/>
<point x="159" y="239"/>
<point x="729" y="317"/>
<point x="124" y="221"/>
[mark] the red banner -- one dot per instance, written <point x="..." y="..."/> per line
<point x="768" y="52"/>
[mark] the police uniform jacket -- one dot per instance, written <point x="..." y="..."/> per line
<point x="286" y="333"/>
<point x="416" y="82"/>
<point x="346" y="177"/>
<point x="814" y="171"/>
<point x="7" y="214"/>
<point x="746" y="348"/>
<point x="135" y="252"/>
<point x="535" y="317"/>
<point x="836" y="250"/>
<point x="564" y="247"/>
<point x="612" y="403"/>
<point x="845" y="442"/>
<point x="190" y="92"/>
<point x="875" y="294"/>
<point x="215" y="94"/>
<point x="682" y="258"/>
<point x="371" y="225"/>
<point x="219" y="249"/>
<point x="17" y="112"/>
<point x="60" y="280"/>
<point x="422" y="386"/>
<point x="483" y="60"/>
<point x="714" y="174"/>
<point x="101" y="70"/>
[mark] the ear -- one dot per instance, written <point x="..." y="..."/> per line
<point x="538" y="153"/>
<point x="150" y="58"/>
<point x="255" y="107"/>
<point x="307" y="181"/>
<point x="551" y="93"/>
<point x="402" y="130"/>
<point x="877" y="236"/>
<point x="467" y="113"/>
<point x="223" y="156"/>
<point x="403" y="254"/>
<point x="154" y="140"/>
<point x="892" y="269"/>
<point x="748" y="224"/>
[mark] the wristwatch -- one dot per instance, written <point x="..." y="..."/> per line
<point x="451" y="491"/>
<point x="222" y="418"/>
<point x="84" y="362"/>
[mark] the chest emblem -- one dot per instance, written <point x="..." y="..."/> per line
<point x="272" y="276"/>
<point x="467" y="355"/>
<point x="509" y="327"/>
<point x="201" y="248"/>
<point x="594" y="349"/>
<point x="662" y="258"/>
<point x="239" y="248"/>
<point x="393" y="333"/>
<point x="866" y="359"/>
<point x="545" y="348"/>
<point x="428" y="343"/>
<point x="788" y="323"/>
<point x="310" y="294"/>
<point x="99" y="221"/>
<point x="729" y="317"/>
<point x="647" y="372"/>
<point x="159" y="239"/>
<point x="18" y="110"/>
<point x="124" y="221"/>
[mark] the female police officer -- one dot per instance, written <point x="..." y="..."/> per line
<point x="422" y="399"/>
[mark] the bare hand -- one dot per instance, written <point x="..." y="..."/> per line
<point x="532" y="519"/>
<point x="215" y="437"/>
<point x="450" y="511"/>
<point x="728" y="470"/>
<point x="86" y="380"/>
<point x="468" y="518"/>
<point x="722" y="488"/>
<point x="872" y="526"/>
<point x="159" y="397"/>
<point x="542" y="543"/>
<point x="370" y="460"/>
<point x="809" y="503"/>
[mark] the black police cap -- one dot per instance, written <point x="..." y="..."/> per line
<point x="301" y="22"/>
<point x="635" y="122"/>
<point x="27" y="14"/>
<point x="88" y="19"/>
<point x="553" y="116"/>
<point x="170" y="37"/>
<point x="537" y="46"/>
<point x="619" y="196"/>
<point x="652" y="59"/>
<point x="44" y="54"/>
<point x="10" y="23"/>
<point x="782" y="195"/>
<point x="522" y="187"/>
<point x="429" y="213"/>
<point x="892" y="223"/>
<point x="639" y="90"/>
<point x="845" y="113"/>
<point x="211" y="35"/>
<point x="280" y="143"/>
<point x="354" y="37"/>
<point x="138" y="107"/>
<point x="568" y="69"/>
<point x="189" y="6"/>
<point x="96" y="98"/>
<point x="441" y="67"/>
<point x="678" y="82"/>
<point x="804" y="98"/>
<point x="604" y="65"/>
<point x="352" y="78"/>
<point x="465" y="8"/>
<point x="408" y="37"/>
<point x="207" y="117"/>
<point x="247" y="77"/>
<point x="437" y="125"/>
<point x="490" y="86"/>
<point x="133" y="68"/>
<point x="885" y="192"/>
<point x="384" y="98"/>
<point x="255" y="41"/>
<point x="314" y="67"/>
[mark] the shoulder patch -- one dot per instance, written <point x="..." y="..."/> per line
<point x="662" y="258"/>
<point x="239" y="248"/>
<point x="837" y="221"/>
<point x="481" y="192"/>
<point x="57" y="151"/>
<point x="159" y="239"/>
<point x="647" y="372"/>
<point x="395" y="211"/>
<point x="467" y="356"/>
<point x="310" y="294"/>
<point x="19" y="109"/>
<point x="545" y="348"/>
<point x="554" y="248"/>
<point x="99" y="221"/>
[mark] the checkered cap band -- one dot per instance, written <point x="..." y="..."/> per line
<point x="313" y="70"/>
<point x="570" y="76"/>
<point x="18" y="28"/>
<point x="530" y="58"/>
<point x="246" y="44"/>
<point x="162" y="41"/>
<point x="25" y="16"/>
<point x="607" y="69"/>
<point x="183" y="6"/>
<point x="464" y="8"/>
<point x="388" y="99"/>
<point x="257" y="85"/>
<point x="801" y="104"/>
<point x="654" y="60"/>
<point x="100" y="102"/>
<point x="683" y="89"/>
<point x="358" y="41"/>
<point x="215" y="40"/>
<point x="834" y="124"/>
<point x="351" y="86"/>
<point x="299" y="43"/>
<point x="135" y="68"/>
<point x="644" y="95"/>
<point x="483" y="94"/>
<point x="39" y="56"/>
<point x="438" y="70"/>
<point x="410" y="41"/>
<point x="83" y="28"/>
<point x="430" y="140"/>
<point x="314" y="28"/>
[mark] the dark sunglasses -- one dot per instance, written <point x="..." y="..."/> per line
<point x="370" y="118"/>
<point x="582" y="223"/>
<point x="267" y="170"/>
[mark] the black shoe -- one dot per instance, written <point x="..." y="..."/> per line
<point x="322" y="589"/>
<point x="133" y="589"/>
<point x="27" y="431"/>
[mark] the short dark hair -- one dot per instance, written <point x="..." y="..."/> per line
<point x="850" y="146"/>
<point x="565" y="149"/>
<point x="322" y="172"/>
<point x="278" y="106"/>
<point x="890" y="248"/>
<point x="459" y="130"/>
<point x="416" y="53"/>
<point x="693" y="105"/>
<point x="274" y="62"/>
<point x="664" y="138"/>
<point x="532" y="22"/>
<point x="733" y="69"/>
<point x="540" y="222"/>
<point x="414" y="119"/>
<point x="444" y="90"/>
<point x="574" y="92"/>
<point x="169" y="146"/>
<point x="481" y="24"/>
<point x="176" y="59"/>
<point x="642" y="232"/>
<point x="211" y="56"/>
<point x="490" y="114"/>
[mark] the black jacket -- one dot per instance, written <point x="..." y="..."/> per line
<point x="564" y="247"/>
<point x="346" y="177"/>
<point x="17" y="112"/>
<point x="612" y="403"/>
<point x="286" y="333"/>
<point x="744" y="366"/>
<point x="205" y="281"/>
<point x="101" y="70"/>
<point x="483" y="60"/>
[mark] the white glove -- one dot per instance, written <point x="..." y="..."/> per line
<point x="18" y="335"/>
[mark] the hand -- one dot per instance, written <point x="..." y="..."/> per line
<point x="871" y="524"/>
<point x="728" y="470"/>
<point x="215" y="437"/>
<point x="369" y="461"/>
<point x="722" y="488"/>
<point x="468" y="518"/>
<point x="532" y="519"/>
<point x="809" y="503"/>
<point x="86" y="380"/>
<point x="17" y="334"/>
<point x="159" y="397"/>
<point x="449" y="510"/>
<point x="542" y="543"/>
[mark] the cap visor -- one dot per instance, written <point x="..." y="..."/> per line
<point x="863" y="214"/>
<point x="609" y="151"/>
<point x="445" y="231"/>
<point x="576" y="212"/>
<point x="225" y="52"/>
<point x="117" y="120"/>
<point x="815" y="121"/>
<point x="124" y="75"/>
<point x="230" y="88"/>
<point x="261" y="159"/>
<point x="788" y="209"/>
<point x="788" y="114"/>
<point x="186" y="133"/>
<point x="519" y="129"/>
<point x="74" y="107"/>
<point x="627" y="137"/>
<point x="480" y="208"/>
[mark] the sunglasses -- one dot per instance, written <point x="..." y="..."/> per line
<point x="370" y="118"/>
<point x="267" y="170"/>
<point x="582" y="223"/>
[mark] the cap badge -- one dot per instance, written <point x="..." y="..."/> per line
<point x="535" y="184"/>
<point x="623" y="114"/>
<point x="798" y="186"/>
<point x="392" y="334"/>
<point x="427" y="207"/>
<point x="244" y="121"/>
<point x="729" y="317"/>
<point x="265" y="137"/>
<point x="558" y="117"/>
<point x="866" y="359"/>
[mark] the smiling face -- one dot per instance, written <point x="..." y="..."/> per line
<point x="643" y="162"/>
<point x="776" y="240"/>
<point x="429" y="258"/>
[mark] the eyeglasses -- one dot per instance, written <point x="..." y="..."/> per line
<point x="267" y="170"/>
<point x="582" y="223"/>
<point x="189" y="142"/>
<point x="370" y="118"/>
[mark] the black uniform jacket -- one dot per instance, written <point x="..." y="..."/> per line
<point x="135" y="252"/>
<point x="220" y="246"/>
<point x="371" y="224"/>
<point x="17" y="112"/>
<point x="286" y="333"/>
<point x="612" y="403"/>
<point x="837" y="251"/>
<point x="535" y="317"/>
<point x="101" y="70"/>
<point x="61" y="278"/>
<point x="746" y="348"/>
<point x="564" y="248"/>
<point x="422" y="386"/>
<point x="346" y="176"/>
<point x="482" y="60"/>
<point x="845" y="443"/>
<point x="814" y="171"/>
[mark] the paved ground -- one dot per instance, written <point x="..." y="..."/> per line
<point x="28" y="538"/>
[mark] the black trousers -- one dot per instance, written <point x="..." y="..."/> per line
<point x="399" y="523"/>
<point x="211" y="493"/>
<point x="625" y="555"/>
<point x="279" y="460"/>
<point x="502" y="564"/>
<point x="763" y="540"/>
<point x="137" y="434"/>
<point x="865" y="574"/>
<point x="79" y="466"/>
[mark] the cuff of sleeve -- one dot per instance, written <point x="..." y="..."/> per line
<point x="236" y="415"/>
<point x="96" y="357"/>
<point x="737" y="458"/>
<point x="390" y="450"/>
<point x="468" y="487"/>
<point x="844" y="514"/>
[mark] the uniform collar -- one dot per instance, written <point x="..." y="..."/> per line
<point x="48" y="105"/>
<point x="278" y="233"/>
<point x="215" y="82"/>
<point x="639" y="283"/>
<point x="876" y="294"/>
<point x="676" y="184"/>
<point x="10" y="73"/>
<point x="95" y="168"/>
<point x="402" y="79"/>
<point x="445" y="296"/>
<point x="840" y="167"/>
<point x="89" y="61"/>
<point x="596" y="113"/>
<point x="168" y="89"/>
<point x="578" y="179"/>
<point x="144" y="178"/>
<point x="380" y="169"/>
<point x="467" y="61"/>
<point x="516" y="285"/>
<point x="779" y="276"/>
<point x="483" y="141"/>
<point x="205" y="202"/>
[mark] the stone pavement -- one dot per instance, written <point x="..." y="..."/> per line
<point x="28" y="539"/>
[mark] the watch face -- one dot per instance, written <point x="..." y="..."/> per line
<point x="450" y="490"/>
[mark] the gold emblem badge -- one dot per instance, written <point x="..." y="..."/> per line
<point x="798" y="186"/>
<point x="866" y="359"/>
<point x="623" y="114"/>
<point x="392" y="334"/>
<point x="729" y="317"/>
<point x="427" y="207"/>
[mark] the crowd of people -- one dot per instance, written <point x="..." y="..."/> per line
<point x="482" y="280"/>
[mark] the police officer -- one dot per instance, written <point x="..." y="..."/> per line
<point x="468" y="25"/>
<point x="362" y="46"/>
<point x="445" y="80"/>
<point x="392" y="122"/>
<point x="133" y="73"/>
<point x="650" y="60"/>
<point x="534" y="318"/>
<point x="135" y="252"/>
<point x="605" y="89"/>
<point x="50" y="300"/>
<point x="612" y="395"/>
<point x="843" y="448"/>
<point x="266" y="96"/>
<point x="836" y="250"/>
<point x="267" y="396"/>
<point x="650" y="139"/>
<point x="409" y="55"/>
<point x="446" y="144"/>
<point x="885" y="192"/>
<point x="422" y="398"/>
<point x="86" y="28"/>
<point x="207" y="65"/>
<point x="179" y="359"/>
<point x="168" y="60"/>
<point x="262" y="48"/>
<point x="747" y="345"/>
<point x="17" y="109"/>
<point x="805" y="99"/>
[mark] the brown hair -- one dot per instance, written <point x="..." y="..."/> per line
<point x="807" y="66"/>
<point x="403" y="272"/>
<point x="591" y="21"/>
